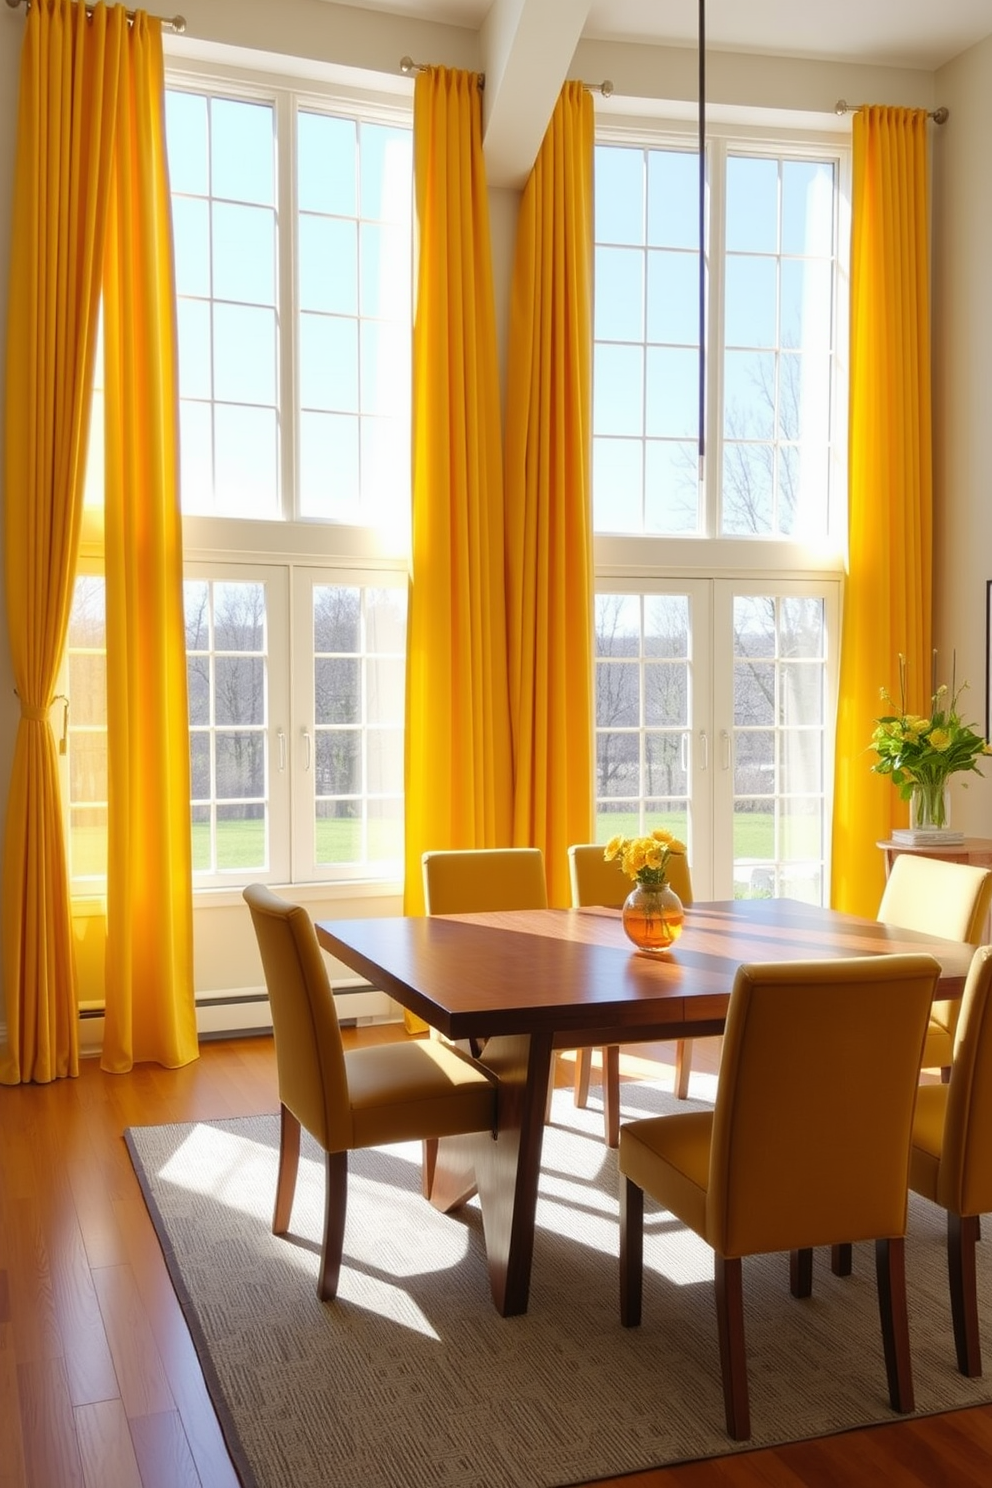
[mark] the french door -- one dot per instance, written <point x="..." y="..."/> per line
<point x="714" y="718"/>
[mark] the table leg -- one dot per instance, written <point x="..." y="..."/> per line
<point x="505" y="1170"/>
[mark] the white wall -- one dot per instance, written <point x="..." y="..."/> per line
<point x="962" y="339"/>
<point x="331" y="36"/>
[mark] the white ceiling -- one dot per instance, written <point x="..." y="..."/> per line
<point x="890" y="33"/>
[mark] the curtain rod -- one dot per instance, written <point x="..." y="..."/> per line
<point x="938" y="115"/>
<point x="169" y="23"/>
<point x="407" y="65"/>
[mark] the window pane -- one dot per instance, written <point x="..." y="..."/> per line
<point x="618" y="484"/>
<point x="619" y="294"/>
<point x="191" y="233"/>
<point x="244" y="354"/>
<point x="328" y="265"/>
<point x="387" y="173"/>
<point x="752" y="205"/>
<point x="671" y="481"/>
<point x="752" y="302"/>
<point x="246" y="473"/>
<point x="672" y="392"/>
<point x="329" y="363"/>
<point x="619" y="196"/>
<point x="359" y="680"/>
<point x="244" y="253"/>
<point x="673" y="298"/>
<point x="242" y="151"/>
<point x="186" y="138"/>
<point x="327" y="159"/>
<point x="673" y="200"/>
<point x="329" y="485"/>
<point x="618" y="383"/>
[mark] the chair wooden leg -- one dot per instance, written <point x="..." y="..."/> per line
<point x="335" y="1210"/>
<point x="890" y="1268"/>
<point x="289" y="1162"/>
<point x="631" y="1251"/>
<point x="962" y="1233"/>
<point x="842" y="1259"/>
<point x="801" y="1272"/>
<point x="683" y="1067"/>
<point x="611" y="1094"/>
<point x="583" y="1069"/>
<point x="428" y="1165"/>
<point x="728" y="1278"/>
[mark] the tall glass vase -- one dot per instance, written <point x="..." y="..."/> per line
<point x="930" y="806"/>
<point x="653" y="917"/>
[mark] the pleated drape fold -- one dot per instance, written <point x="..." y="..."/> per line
<point x="548" y="495"/>
<point x="888" y="590"/>
<point x="65" y="142"/>
<point x="458" y="767"/>
<point x="91" y="211"/>
<point x="150" y="1010"/>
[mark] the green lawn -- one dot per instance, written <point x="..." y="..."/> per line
<point x="241" y="844"/>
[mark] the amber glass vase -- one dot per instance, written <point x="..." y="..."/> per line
<point x="653" y="918"/>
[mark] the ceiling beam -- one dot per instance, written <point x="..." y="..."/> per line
<point x="527" y="48"/>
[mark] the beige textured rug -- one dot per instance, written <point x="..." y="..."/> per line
<point x="410" y="1379"/>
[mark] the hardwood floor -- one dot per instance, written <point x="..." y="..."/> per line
<point x="99" y="1383"/>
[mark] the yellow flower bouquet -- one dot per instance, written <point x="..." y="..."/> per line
<point x="645" y="859"/>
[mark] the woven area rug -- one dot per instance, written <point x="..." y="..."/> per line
<point x="411" y="1379"/>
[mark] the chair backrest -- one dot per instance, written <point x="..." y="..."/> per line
<point x="477" y="879"/>
<point x="948" y="899"/>
<point x="964" y="1181"/>
<point x="813" y="1122"/>
<point x="310" y="1061"/>
<point x="596" y="881"/>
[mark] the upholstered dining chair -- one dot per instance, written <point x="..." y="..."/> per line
<point x="595" y="880"/>
<point x="474" y="880"/>
<point x="792" y="1155"/>
<point x="346" y="1099"/>
<point x="949" y="899"/>
<point x="951" y="1158"/>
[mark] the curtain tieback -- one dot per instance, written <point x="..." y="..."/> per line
<point x="34" y="714"/>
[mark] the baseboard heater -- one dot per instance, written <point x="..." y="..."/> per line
<point x="244" y="1011"/>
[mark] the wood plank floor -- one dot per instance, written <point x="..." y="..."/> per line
<point x="99" y="1383"/>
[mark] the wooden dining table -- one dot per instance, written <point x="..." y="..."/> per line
<point x="519" y="984"/>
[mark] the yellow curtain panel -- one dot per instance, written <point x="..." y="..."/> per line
<point x="888" y="592"/>
<point x="66" y="112"/>
<point x="149" y="976"/>
<point x="548" y="495"/>
<point x="458" y="753"/>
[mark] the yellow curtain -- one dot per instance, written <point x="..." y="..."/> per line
<point x="66" y="112"/>
<point x="458" y="751"/>
<point x="887" y="607"/>
<point x="547" y="482"/>
<point x="149" y="976"/>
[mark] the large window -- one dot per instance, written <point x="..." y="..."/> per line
<point x="293" y="246"/>
<point x="718" y="597"/>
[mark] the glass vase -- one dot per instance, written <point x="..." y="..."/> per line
<point x="930" y="806"/>
<point x="653" y="917"/>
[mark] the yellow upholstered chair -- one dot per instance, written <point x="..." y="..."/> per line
<point x="413" y="1090"/>
<point x="807" y="1144"/>
<point x="948" y="899"/>
<point x="477" y="880"/>
<point x="595" y="880"/>
<point x="951" y="1159"/>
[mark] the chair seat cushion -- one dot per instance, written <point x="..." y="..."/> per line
<point x="938" y="1049"/>
<point x="928" y="1139"/>
<point x="669" y="1157"/>
<point x="416" y="1088"/>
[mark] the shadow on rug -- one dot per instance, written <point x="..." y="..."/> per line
<point x="411" y="1378"/>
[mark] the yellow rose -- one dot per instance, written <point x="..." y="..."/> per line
<point x="940" y="740"/>
<point x="612" y="848"/>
